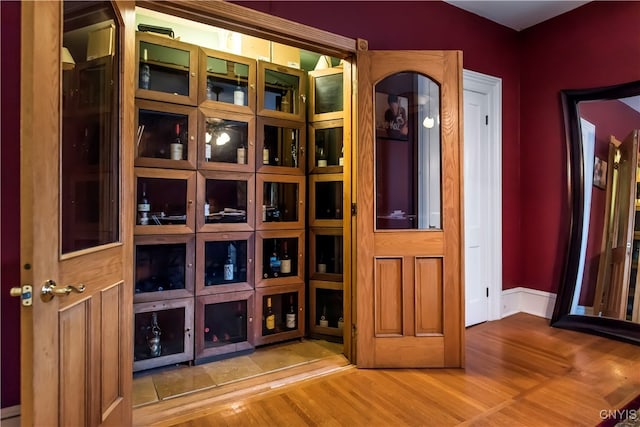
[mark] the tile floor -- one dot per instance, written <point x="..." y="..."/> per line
<point x="173" y="381"/>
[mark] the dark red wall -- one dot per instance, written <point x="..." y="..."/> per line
<point x="10" y="200"/>
<point x="487" y="47"/>
<point x="595" y="45"/>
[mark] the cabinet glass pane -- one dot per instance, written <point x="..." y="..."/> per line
<point x="329" y="149"/>
<point x="162" y="135"/>
<point x="279" y="257"/>
<point x="280" y="146"/>
<point x="159" y="333"/>
<point x="227" y="81"/>
<point x="164" y="69"/>
<point x="226" y="141"/>
<point x="328" y="93"/>
<point x="89" y="161"/>
<point x="225" y="201"/>
<point x="225" y="323"/>
<point x="161" y="201"/>
<point x="279" y="313"/>
<point x="328" y="199"/>
<point x="160" y="267"/>
<point x="408" y="152"/>
<point x="328" y="308"/>
<point x="281" y="92"/>
<point x="280" y="202"/>
<point x="329" y="254"/>
<point x="225" y="262"/>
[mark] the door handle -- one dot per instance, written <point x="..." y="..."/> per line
<point x="50" y="290"/>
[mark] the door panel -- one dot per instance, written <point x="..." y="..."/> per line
<point x="76" y="348"/>
<point x="410" y="257"/>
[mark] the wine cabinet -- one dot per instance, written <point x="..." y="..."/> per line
<point x="225" y="262"/>
<point x="163" y="333"/>
<point x="326" y="147"/>
<point x="326" y="308"/>
<point x="280" y="310"/>
<point x="166" y="135"/>
<point x="282" y="199"/>
<point x="281" y="92"/>
<point x="164" y="267"/>
<point x="225" y="201"/>
<point x="279" y="257"/>
<point x="326" y="200"/>
<point x="226" y="141"/>
<point x="224" y="325"/>
<point x="166" y="69"/>
<point x="326" y="94"/>
<point x="280" y="146"/>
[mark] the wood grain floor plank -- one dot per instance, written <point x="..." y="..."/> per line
<point x="519" y="372"/>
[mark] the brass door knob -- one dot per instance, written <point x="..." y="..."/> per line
<point x="49" y="290"/>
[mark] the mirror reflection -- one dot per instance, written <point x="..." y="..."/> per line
<point x="607" y="270"/>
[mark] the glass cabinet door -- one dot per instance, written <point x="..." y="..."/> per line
<point x="166" y="69"/>
<point x="282" y="199"/>
<point x="225" y="201"/>
<point x="326" y="88"/>
<point x="226" y="140"/>
<point x="227" y="81"/>
<point x="281" y="91"/>
<point x="327" y="197"/>
<point x="224" y="262"/>
<point x="326" y="147"/>
<point x="166" y="135"/>
<point x="279" y="257"/>
<point x="279" y="311"/>
<point x="280" y="146"/>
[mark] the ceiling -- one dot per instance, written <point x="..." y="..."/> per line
<point x="515" y="14"/>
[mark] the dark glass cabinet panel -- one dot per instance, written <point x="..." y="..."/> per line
<point x="328" y="253"/>
<point x="280" y="257"/>
<point x="328" y="308"/>
<point x="328" y="93"/>
<point x="327" y="145"/>
<point x="279" y="313"/>
<point x="281" y="143"/>
<point x="225" y="262"/>
<point x="280" y="91"/>
<point x="164" y="69"/>
<point x="224" y="323"/>
<point x="328" y="200"/>
<point x="160" y="267"/>
<point x="227" y="81"/>
<point x="225" y="140"/>
<point x="166" y="199"/>
<point x="280" y="202"/>
<point x="225" y="201"/>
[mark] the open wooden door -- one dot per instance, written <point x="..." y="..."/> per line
<point x="75" y="202"/>
<point x="410" y="310"/>
<point x="612" y="289"/>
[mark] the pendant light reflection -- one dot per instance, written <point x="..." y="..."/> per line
<point x="221" y="138"/>
<point x="423" y="101"/>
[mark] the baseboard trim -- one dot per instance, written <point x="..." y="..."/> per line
<point x="10" y="412"/>
<point x="525" y="300"/>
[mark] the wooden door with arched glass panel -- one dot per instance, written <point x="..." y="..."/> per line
<point x="75" y="202"/>
<point x="410" y="310"/>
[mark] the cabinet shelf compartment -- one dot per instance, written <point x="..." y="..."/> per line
<point x="326" y="94"/>
<point x="281" y="301"/>
<point x="326" y="200"/>
<point x="230" y="200"/>
<point x="163" y="267"/>
<point x="214" y="273"/>
<point x="280" y="92"/>
<point x="326" y="254"/>
<point x="326" y="305"/>
<point x="280" y="146"/>
<point x="268" y="242"/>
<point x="227" y="81"/>
<point x="171" y="194"/>
<point x="224" y="325"/>
<point x="226" y="141"/>
<point x="166" y="69"/>
<point x="282" y="199"/>
<point x="157" y="124"/>
<point x="326" y="147"/>
<point x="175" y="320"/>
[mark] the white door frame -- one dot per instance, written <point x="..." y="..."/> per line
<point x="492" y="87"/>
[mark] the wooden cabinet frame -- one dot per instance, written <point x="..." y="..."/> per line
<point x="203" y="176"/>
<point x="259" y="339"/>
<point x="313" y="76"/>
<point x="260" y="138"/>
<point x="284" y="179"/>
<point x="261" y="281"/>
<point x="298" y="105"/>
<point x="313" y="164"/>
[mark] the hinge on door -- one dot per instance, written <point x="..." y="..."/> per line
<point x="354" y="209"/>
<point x="486" y="120"/>
<point x="487" y="292"/>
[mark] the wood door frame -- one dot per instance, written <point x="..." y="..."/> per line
<point x="492" y="87"/>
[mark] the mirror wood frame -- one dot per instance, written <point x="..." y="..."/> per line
<point x="562" y="318"/>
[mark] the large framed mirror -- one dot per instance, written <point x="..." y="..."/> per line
<point x="600" y="291"/>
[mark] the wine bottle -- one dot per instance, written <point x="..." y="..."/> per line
<point x="153" y="340"/>
<point x="294" y="149"/>
<point x="265" y="154"/>
<point x="176" y="145"/>
<point x="274" y="261"/>
<point x="228" y="269"/>
<point x="207" y="148"/>
<point x="341" y="158"/>
<point x="145" y="72"/>
<point x="322" y="158"/>
<point x="144" y="207"/>
<point x="241" y="155"/>
<point x="291" y="314"/>
<point x="323" y="319"/>
<point x="269" y="319"/>
<point x="238" y="94"/>
<point x="285" y="262"/>
<point x="207" y="210"/>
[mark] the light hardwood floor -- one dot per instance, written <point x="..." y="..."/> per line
<point x="519" y="372"/>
